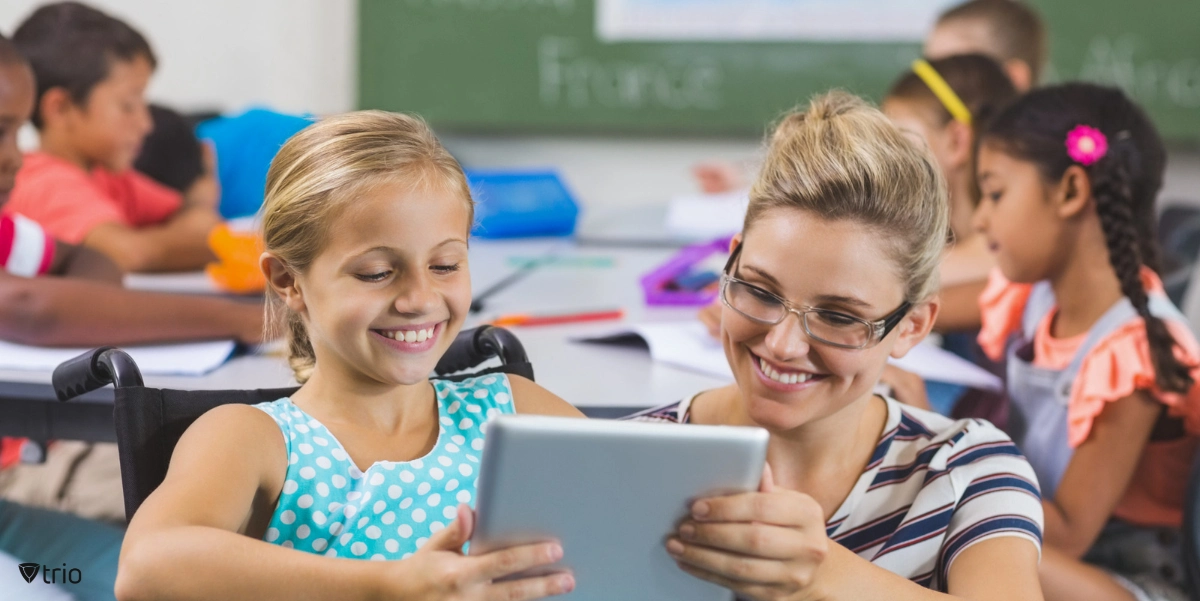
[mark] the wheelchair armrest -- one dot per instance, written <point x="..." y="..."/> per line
<point x="95" y="369"/>
<point x="472" y="347"/>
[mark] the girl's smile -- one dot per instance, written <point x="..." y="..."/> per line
<point x="416" y="338"/>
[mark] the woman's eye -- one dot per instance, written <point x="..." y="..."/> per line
<point x="837" y="319"/>
<point x="993" y="196"/>
<point x="444" y="269"/>
<point x="373" y="277"/>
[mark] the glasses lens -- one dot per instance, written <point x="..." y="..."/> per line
<point x="837" y="328"/>
<point x="753" y="302"/>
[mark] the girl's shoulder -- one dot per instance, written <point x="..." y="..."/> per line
<point x="1120" y="364"/>
<point x="1001" y="308"/>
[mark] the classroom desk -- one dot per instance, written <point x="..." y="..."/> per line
<point x="603" y="381"/>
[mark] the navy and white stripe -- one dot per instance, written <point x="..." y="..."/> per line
<point x="933" y="488"/>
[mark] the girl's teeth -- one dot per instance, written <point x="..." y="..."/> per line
<point x="413" y="336"/>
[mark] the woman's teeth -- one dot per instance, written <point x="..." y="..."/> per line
<point x="789" y="378"/>
<point x="410" y="335"/>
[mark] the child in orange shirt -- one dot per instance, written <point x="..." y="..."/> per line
<point x="1102" y="368"/>
<point x="92" y="71"/>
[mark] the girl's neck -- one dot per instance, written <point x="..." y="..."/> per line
<point x="1085" y="286"/>
<point x="962" y="204"/>
<point x="337" y="396"/>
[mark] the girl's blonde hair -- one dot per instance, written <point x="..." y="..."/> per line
<point x="320" y="172"/>
<point x="842" y="159"/>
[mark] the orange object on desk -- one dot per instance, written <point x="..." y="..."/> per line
<point x="236" y="269"/>
<point x="526" y="319"/>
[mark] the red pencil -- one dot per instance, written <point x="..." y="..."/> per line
<point x="526" y="319"/>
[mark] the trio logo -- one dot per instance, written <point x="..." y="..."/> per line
<point x="29" y="571"/>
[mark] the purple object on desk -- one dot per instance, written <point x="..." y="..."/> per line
<point x="655" y="284"/>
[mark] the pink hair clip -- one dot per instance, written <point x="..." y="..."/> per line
<point x="1086" y="145"/>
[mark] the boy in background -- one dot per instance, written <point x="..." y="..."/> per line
<point x="1009" y="31"/>
<point x="90" y="111"/>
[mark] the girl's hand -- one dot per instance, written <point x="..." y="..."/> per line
<point x="768" y="545"/>
<point x="440" y="570"/>
<point x="907" y="387"/>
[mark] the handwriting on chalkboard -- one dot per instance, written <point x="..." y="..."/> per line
<point x="1115" y="61"/>
<point x="569" y="78"/>
<point x="564" y="6"/>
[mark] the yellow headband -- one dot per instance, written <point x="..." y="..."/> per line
<point x="942" y="90"/>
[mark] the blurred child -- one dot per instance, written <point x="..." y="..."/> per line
<point x="834" y="272"/>
<point x="85" y="305"/>
<point x="92" y="71"/>
<point x="1102" y="369"/>
<point x="365" y="223"/>
<point x="1009" y="31"/>
<point x="943" y="101"/>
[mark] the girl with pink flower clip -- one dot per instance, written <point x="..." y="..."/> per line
<point x="1102" y="368"/>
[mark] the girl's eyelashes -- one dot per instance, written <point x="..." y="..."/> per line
<point x="445" y="269"/>
<point x="373" y="277"/>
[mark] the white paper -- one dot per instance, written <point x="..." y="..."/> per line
<point x="710" y="215"/>
<point x="191" y="359"/>
<point x="687" y="345"/>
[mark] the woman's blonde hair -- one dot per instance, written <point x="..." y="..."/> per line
<point x="842" y="160"/>
<point x="320" y="171"/>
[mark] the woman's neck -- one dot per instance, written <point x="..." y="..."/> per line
<point x="823" y="458"/>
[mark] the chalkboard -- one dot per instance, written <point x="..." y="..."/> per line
<point x="537" y="65"/>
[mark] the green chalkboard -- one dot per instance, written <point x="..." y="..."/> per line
<point x="537" y="65"/>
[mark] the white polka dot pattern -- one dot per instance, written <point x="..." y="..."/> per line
<point x="329" y="506"/>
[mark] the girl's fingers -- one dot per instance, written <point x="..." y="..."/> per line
<point x="735" y="568"/>
<point x="531" y="588"/>
<point x="750" y="539"/>
<point x="744" y="590"/>
<point x="453" y="537"/>
<point x="781" y="508"/>
<point x="512" y="560"/>
<point x="768" y="479"/>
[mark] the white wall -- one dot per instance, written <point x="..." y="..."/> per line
<point x="294" y="55"/>
<point x="300" y="56"/>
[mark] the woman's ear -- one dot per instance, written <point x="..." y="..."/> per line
<point x="1073" y="193"/>
<point x="282" y="281"/>
<point x="735" y="241"/>
<point x="916" y="326"/>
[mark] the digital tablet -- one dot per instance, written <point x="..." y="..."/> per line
<point x="611" y="492"/>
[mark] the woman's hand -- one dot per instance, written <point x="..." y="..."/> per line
<point x="768" y="545"/>
<point x="907" y="387"/>
<point x="439" y="570"/>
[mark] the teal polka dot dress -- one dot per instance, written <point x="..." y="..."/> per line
<point x="329" y="506"/>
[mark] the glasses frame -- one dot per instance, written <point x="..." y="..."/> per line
<point x="879" y="328"/>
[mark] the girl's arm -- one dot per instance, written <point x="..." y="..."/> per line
<point x="960" y="307"/>
<point x="194" y="537"/>
<point x="72" y="312"/>
<point x="81" y="262"/>
<point x="528" y="397"/>
<point x="771" y="546"/>
<point x="1099" y="473"/>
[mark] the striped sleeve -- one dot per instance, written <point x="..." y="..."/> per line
<point x="1000" y="495"/>
<point x="25" y="249"/>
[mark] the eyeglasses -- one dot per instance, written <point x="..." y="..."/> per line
<point x="825" y="326"/>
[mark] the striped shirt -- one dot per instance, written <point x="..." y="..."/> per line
<point x="25" y="249"/>
<point x="933" y="488"/>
